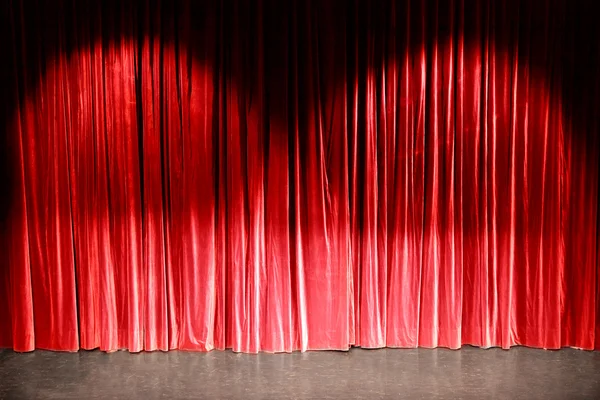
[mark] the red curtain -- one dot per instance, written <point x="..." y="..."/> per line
<point x="274" y="176"/>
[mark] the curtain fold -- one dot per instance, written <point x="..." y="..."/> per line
<point x="276" y="176"/>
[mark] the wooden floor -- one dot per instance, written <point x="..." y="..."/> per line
<point x="469" y="373"/>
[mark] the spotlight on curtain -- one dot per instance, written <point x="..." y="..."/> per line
<point x="278" y="176"/>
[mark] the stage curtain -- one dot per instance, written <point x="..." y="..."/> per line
<point x="299" y="175"/>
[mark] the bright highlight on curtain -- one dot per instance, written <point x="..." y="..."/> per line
<point x="278" y="176"/>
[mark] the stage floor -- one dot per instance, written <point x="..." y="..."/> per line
<point x="520" y="373"/>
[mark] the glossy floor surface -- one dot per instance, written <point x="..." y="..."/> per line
<point x="470" y="373"/>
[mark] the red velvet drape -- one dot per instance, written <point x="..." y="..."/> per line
<point x="273" y="176"/>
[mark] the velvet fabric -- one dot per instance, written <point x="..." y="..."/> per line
<point x="299" y="175"/>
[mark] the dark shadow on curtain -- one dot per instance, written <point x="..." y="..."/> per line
<point x="35" y="25"/>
